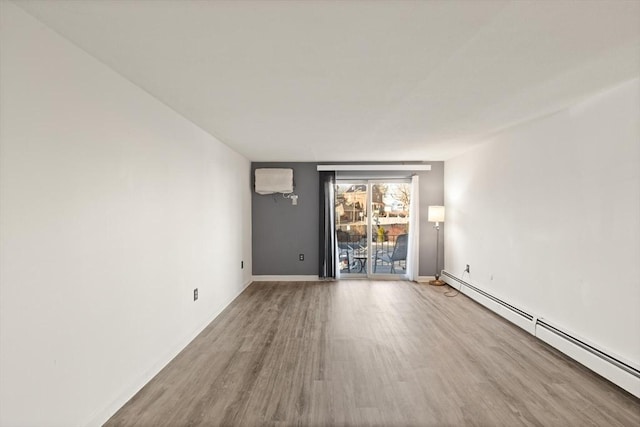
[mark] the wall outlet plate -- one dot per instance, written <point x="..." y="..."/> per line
<point x="301" y="257"/>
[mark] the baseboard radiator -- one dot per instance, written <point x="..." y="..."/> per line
<point x="614" y="368"/>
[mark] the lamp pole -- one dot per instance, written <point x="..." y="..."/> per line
<point x="437" y="281"/>
<point x="436" y="215"/>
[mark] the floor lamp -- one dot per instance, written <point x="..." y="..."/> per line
<point x="436" y="214"/>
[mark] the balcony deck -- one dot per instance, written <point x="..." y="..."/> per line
<point x="354" y="260"/>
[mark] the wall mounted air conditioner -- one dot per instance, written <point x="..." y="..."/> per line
<point x="274" y="180"/>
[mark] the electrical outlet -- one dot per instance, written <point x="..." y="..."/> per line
<point x="195" y="294"/>
<point x="301" y="257"/>
<point x="241" y="264"/>
<point x="468" y="270"/>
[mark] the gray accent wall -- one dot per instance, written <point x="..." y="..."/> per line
<point x="431" y="193"/>
<point x="282" y="231"/>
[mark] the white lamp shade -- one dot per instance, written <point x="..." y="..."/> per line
<point x="436" y="213"/>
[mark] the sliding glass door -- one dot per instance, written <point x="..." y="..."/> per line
<point x="372" y="227"/>
<point x="352" y="229"/>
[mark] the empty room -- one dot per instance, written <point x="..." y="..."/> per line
<point x="319" y="213"/>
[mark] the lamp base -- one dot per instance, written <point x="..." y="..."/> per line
<point x="437" y="282"/>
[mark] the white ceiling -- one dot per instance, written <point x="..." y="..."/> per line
<point x="357" y="80"/>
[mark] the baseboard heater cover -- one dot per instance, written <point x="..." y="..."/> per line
<point x="588" y="347"/>
<point x="505" y="304"/>
<point x="539" y="327"/>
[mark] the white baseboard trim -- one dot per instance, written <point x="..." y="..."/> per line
<point x="101" y="416"/>
<point x="311" y="278"/>
<point x="286" y="278"/>
<point x="518" y="320"/>
<point x="584" y="353"/>
<point x="611" y="372"/>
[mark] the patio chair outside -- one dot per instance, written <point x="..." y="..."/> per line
<point x="399" y="254"/>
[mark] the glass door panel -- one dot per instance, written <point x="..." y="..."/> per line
<point x="351" y="227"/>
<point x="390" y="226"/>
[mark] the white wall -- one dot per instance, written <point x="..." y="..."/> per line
<point x="113" y="208"/>
<point x="547" y="214"/>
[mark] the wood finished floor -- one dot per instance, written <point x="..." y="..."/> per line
<point x="367" y="353"/>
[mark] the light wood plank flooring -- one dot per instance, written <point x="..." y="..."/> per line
<point x="371" y="353"/>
